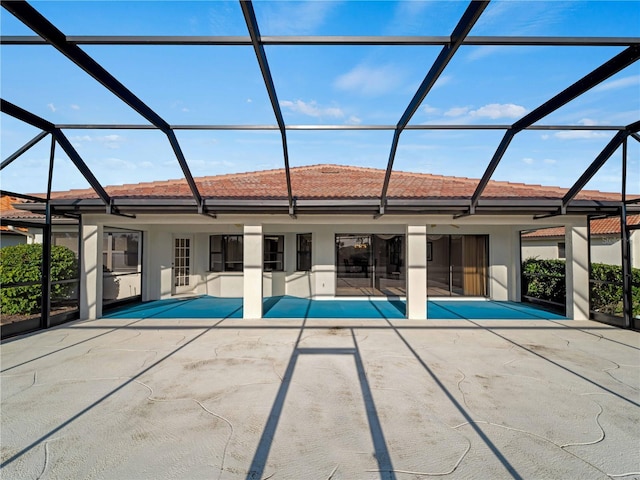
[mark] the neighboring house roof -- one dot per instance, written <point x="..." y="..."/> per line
<point x="333" y="182"/>
<point x="8" y="212"/>
<point x="600" y="226"/>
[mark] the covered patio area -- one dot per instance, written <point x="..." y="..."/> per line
<point x="310" y="398"/>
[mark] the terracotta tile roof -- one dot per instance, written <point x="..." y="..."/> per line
<point x="8" y="212"/>
<point x="601" y="226"/>
<point x="332" y="182"/>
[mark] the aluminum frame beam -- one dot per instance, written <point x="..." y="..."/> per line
<point x="7" y="193"/>
<point x="599" y="161"/>
<point x="331" y="207"/>
<point x="32" y="119"/>
<point x="464" y="26"/>
<point x="130" y="126"/>
<point x="600" y="74"/>
<point x="45" y="29"/>
<point x="275" y="40"/>
<point x="258" y="47"/>
<point x="6" y="162"/>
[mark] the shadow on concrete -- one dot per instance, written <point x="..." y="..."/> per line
<point x="68" y="346"/>
<point x="599" y="337"/>
<point x="382" y="453"/>
<point x="260" y="458"/>
<point x="494" y="449"/>
<point x="90" y="407"/>
<point x="533" y="352"/>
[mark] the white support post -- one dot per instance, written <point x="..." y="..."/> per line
<point x="253" y="260"/>
<point x="515" y="285"/>
<point x="91" y="272"/>
<point x="577" y="260"/>
<point x="416" y="272"/>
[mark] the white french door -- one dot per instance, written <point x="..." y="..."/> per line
<point x="182" y="264"/>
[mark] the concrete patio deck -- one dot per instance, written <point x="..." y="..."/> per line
<point x="339" y="399"/>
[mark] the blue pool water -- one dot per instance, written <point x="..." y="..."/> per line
<point x="292" y="307"/>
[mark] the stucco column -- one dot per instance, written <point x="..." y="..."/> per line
<point x="416" y="272"/>
<point x="156" y="264"/>
<point x="515" y="285"/>
<point x="323" y="265"/>
<point x="253" y="258"/>
<point x="577" y="258"/>
<point x="91" y="272"/>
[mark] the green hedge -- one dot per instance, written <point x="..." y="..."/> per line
<point x="545" y="279"/>
<point x="607" y="298"/>
<point x="23" y="263"/>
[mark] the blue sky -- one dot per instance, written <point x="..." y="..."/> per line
<point x="321" y="85"/>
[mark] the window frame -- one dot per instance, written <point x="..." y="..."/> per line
<point x="562" y="250"/>
<point x="224" y="252"/>
<point x="279" y="253"/>
<point x="306" y="254"/>
<point x="109" y="253"/>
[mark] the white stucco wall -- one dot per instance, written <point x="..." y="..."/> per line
<point x="417" y="271"/>
<point x="577" y="268"/>
<point x="543" y="248"/>
<point x="116" y="287"/>
<point x="159" y="231"/>
<point x="604" y="248"/>
<point x="11" y="239"/>
<point x="91" y="271"/>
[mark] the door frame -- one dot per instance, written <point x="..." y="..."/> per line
<point x="371" y="270"/>
<point x="181" y="289"/>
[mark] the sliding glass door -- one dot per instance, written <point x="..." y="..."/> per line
<point x="457" y="265"/>
<point x="370" y="264"/>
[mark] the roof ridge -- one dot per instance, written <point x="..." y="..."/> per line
<point x="399" y="176"/>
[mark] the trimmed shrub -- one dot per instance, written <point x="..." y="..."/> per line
<point x="607" y="297"/>
<point x="23" y="263"/>
<point x="545" y="280"/>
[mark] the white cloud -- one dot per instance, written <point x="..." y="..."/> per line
<point x="456" y="112"/>
<point x="443" y="80"/>
<point x="587" y="122"/>
<point x="108" y="141"/>
<point x="75" y="107"/>
<point x="477" y="53"/>
<point x="579" y="134"/>
<point x="146" y="164"/>
<point x="312" y="109"/>
<point x="249" y="100"/>
<point x="532" y="161"/>
<point x="499" y="110"/>
<point x="491" y="110"/>
<point x="204" y="166"/>
<point x="51" y="106"/>
<point x="429" y="110"/>
<point x="631" y="81"/>
<point x="536" y="18"/>
<point x="118" y="163"/>
<point x="293" y="18"/>
<point x="354" y="120"/>
<point x="369" y="80"/>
